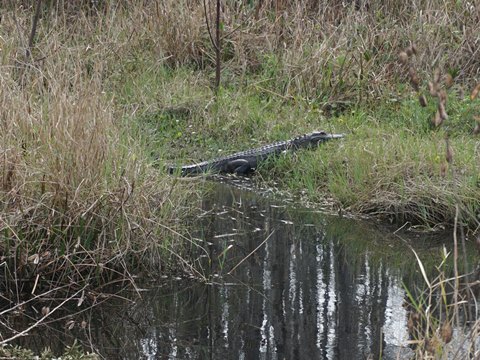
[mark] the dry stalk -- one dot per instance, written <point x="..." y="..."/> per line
<point x="455" y="268"/>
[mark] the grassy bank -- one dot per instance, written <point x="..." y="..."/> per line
<point x="392" y="162"/>
<point x="293" y="67"/>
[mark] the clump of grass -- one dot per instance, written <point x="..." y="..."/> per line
<point x="443" y="318"/>
<point x="73" y="352"/>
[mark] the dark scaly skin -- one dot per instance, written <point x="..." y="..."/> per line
<point x="244" y="162"/>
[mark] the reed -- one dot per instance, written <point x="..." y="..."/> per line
<point x="443" y="316"/>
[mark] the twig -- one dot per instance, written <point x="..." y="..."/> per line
<point x="401" y="227"/>
<point x="253" y="251"/>
<point x="218" y="63"/>
<point x="32" y="299"/>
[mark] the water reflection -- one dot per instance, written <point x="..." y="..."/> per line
<point x="316" y="287"/>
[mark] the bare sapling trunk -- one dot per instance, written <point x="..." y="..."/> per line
<point x="217" y="49"/>
<point x="216" y="42"/>
<point x="31" y="38"/>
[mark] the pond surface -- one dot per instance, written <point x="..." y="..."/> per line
<point x="282" y="283"/>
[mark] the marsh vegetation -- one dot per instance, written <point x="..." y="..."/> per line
<point x="97" y="98"/>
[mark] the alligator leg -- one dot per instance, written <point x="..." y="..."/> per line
<point x="239" y="166"/>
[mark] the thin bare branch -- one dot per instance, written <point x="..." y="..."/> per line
<point x="214" y="44"/>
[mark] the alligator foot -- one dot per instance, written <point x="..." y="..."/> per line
<point x="239" y="167"/>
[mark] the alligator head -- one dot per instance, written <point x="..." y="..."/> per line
<point x="315" y="138"/>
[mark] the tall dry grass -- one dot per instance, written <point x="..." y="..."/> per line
<point x="327" y="51"/>
<point x="79" y="200"/>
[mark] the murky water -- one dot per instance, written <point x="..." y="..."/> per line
<point x="282" y="283"/>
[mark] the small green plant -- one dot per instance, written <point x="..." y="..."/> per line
<point x="73" y="352"/>
<point x="222" y="257"/>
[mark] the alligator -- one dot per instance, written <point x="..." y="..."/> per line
<point x="245" y="162"/>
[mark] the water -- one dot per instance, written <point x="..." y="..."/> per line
<point x="281" y="283"/>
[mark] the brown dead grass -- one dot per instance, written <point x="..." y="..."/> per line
<point x="77" y="193"/>
<point x="327" y="51"/>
